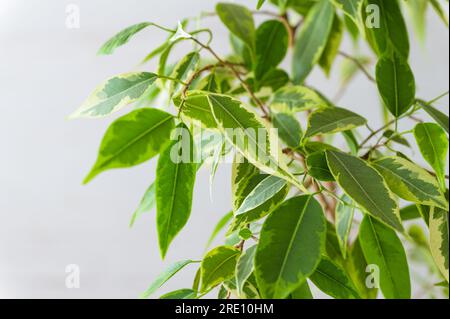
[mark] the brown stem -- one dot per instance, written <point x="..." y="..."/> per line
<point x="236" y="73"/>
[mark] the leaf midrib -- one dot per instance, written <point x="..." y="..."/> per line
<point x="360" y="186"/>
<point x="313" y="31"/>
<point x="291" y="242"/>
<point x="241" y="126"/>
<point x="334" y="124"/>
<point x="121" y="93"/>
<point x="435" y="153"/>
<point x="343" y="285"/>
<point x="380" y="249"/>
<point x="406" y="181"/>
<point x="278" y="185"/>
<point x="134" y="141"/>
<point x="172" y="204"/>
<point x="219" y="266"/>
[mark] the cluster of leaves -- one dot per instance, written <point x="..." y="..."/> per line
<point x="326" y="212"/>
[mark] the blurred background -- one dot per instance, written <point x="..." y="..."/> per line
<point x="47" y="219"/>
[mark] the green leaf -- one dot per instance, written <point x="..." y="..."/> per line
<point x="440" y="118"/>
<point x="245" y="234"/>
<point x="312" y="39"/>
<point x="332" y="248"/>
<point x="439" y="239"/>
<point x="122" y="38"/>
<point x="332" y="120"/>
<point x="344" y="219"/>
<point x="352" y="9"/>
<point x="175" y="179"/>
<point x="133" y="139"/>
<point x="239" y="20"/>
<point x="311" y="147"/>
<point x="304" y="292"/>
<point x="395" y="137"/>
<point x="244" y="268"/>
<point x="302" y="7"/>
<point x="383" y="248"/>
<point x="242" y="173"/>
<point x="332" y="280"/>
<point x="218" y="266"/>
<point x="195" y="107"/>
<point x="289" y="129"/>
<point x="294" y="99"/>
<point x="245" y="178"/>
<point x="209" y="83"/>
<point x="147" y="203"/>
<point x="163" y="69"/>
<point x="440" y="11"/>
<point x="197" y="280"/>
<point x="167" y="274"/>
<point x="318" y="167"/>
<point x="218" y="154"/>
<point x="332" y="48"/>
<point x="262" y="193"/>
<point x="260" y="4"/>
<point x="271" y="47"/>
<point x="410" y="181"/>
<point x="249" y="136"/>
<point x="180" y="294"/>
<point x="275" y="79"/>
<point x="351" y="141"/>
<point x="410" y="212"/>
<point x="433" y="145"/>
<point x="291" y="243"/>
<point x="184" y="70"/>
<point x="242" y="52"/>
<point x="396" y="83"/>
<point x="392" y="32"/>
<point x="220" y="225"/>
<point x="114" y="94"/>
<point x="366" y="187"/>
<point x="418" y="11"/>
<point x="356" y="266"/>
<point x="249" y="291"/>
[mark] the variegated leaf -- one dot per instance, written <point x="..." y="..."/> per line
<point x="296" y="99"/>
<point x="195" y="107"/>
<point x="366" y="187"/>
<point x="312" y="39"/>
<point x="115" y="93"/>
<point x="183" y="70"/>
<point x="439" y="239"/>
<point x="410" y="181"/>
<point x="250" y="137"/>
<point x="218" y="266"/>
<point x="263" y="192"/>
<point x="332" y="120"/>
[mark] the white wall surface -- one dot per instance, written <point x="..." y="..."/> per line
<point x="47" y="219"/>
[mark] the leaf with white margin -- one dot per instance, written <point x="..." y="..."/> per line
<point x="115" y="93"/>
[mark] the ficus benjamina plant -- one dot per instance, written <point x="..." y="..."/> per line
<point x="320" y="198"/>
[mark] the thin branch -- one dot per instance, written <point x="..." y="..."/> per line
<point x="374" y="133"/>
<point x="172" y="79"/>
<point x="358" y="64"/>
<point x="236" y="73"/>
<point x="438" y="98"/>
